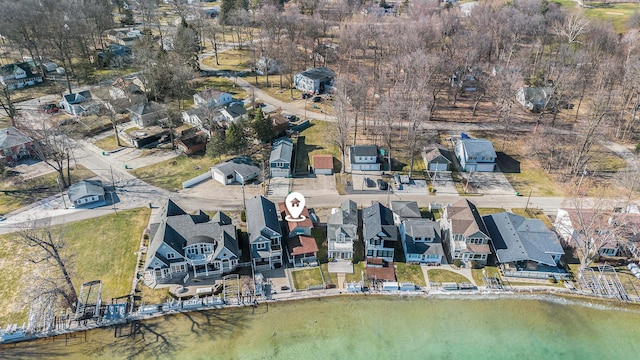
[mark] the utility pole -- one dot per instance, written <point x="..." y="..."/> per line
<point x="61" y="192"/>
<point x="529" y="198"/>
<point x="113" y="185"/>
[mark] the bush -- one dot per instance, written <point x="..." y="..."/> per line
<point x="243" y="216"/>
<point x="638" y="148"/>
<point x="457" y="262"/>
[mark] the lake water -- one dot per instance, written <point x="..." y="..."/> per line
<point x="359" y="327"/>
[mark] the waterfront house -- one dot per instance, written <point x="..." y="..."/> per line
<point x="524" y="247"/>
<point x="364" y="158"/>
<point x="464" y="234"/>
<point x="476" y="155"/>
<point x="342" y="231"/>
<point x="608" y="231"/>
<point x="87" y="193"/>
<point x="183" y="244"/>
<point x="265" y="235"/>
<point x="280" y="161"/>
<point x="404" y="210"/>
<point x="240" y="170"/>
<point x="379" y="233"/>
<point x="301" y="246"/>
<point x="421" y="241"/>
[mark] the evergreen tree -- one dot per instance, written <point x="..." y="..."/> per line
<point x="262" y="126"/>
<point x="187" y="44"/>
<point x="217" y="145"/>
<point x="236" y="140"/>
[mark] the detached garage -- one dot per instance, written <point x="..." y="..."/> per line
<point x="322" y="164"/>
<point x="437" y="159"/>
<point x="240" y="170"/>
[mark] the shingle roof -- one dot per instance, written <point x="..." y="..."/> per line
<point x="364" y="150"/>
<point x="345" y="220"/>
<point x="146" y="108"/>
<point x="516" y="238"/>
<point x="262" y="218"/>
<point x="377" y="219"/>
<point x="85" y="188"/>
<point x="243" y="166"/>
<point x="406" y="209"/>
<point x="438" y="155"/>
<point x="10" y="137"/>
<point x="302" y="244"/>
<point x="465" y="218"/>
<point x="77" y="98"/>
<point x="282" y="150"/>
<point x="478" y="147"/>
<point x="322" y="161"/>
<point x="319" y="73"/>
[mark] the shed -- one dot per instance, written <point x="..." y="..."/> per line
<point x="322" y="164"/>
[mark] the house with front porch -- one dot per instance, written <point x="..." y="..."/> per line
<point x="301" y="246"/>
<point x="18" y="75"/>
<point x="464" y="234"/>
<point x="524" y="247"/>
<point x="265" y="235"/>
<point x="379" y="233"/>
<point x="421" y="241"/>
<point x="342" y="231"/>
<point x="184" y="245"/>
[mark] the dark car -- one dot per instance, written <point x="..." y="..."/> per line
<point x="316" y="99"/>
<point x="370" y="183"/>
<point x="382" y="184"/>
<point x="50" y="109"/>
<point x="306" y="96"/>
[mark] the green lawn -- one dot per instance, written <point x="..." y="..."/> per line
<point x="320" y="234"/>
<point x="532" y="178"/>
<point x="222" y="84"/>
<point x="617" y="14"/>
<point x="358" y="270"/>
<point x="440" y="276"/>
<point x="317" y="141"/>
<point x="302" y="279"/>
<point x="329" y="278"/>
<point x="410" y="273"/>
<point x="490" y="271"/>
<point x="108" y="143"/>
<point x="19" y="192"/>
<point x="103" y="248"/>
<point x="170" y="174"/>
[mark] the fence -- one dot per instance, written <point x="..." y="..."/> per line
<point x="196" y="180"/>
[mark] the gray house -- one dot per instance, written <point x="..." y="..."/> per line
<point x="421" y="241"/>
<point x="265" y="235"/>
<point x="404" y="210"/>
<point x="316" y="80"/>
<point x="342" y="230"/>
<point x="79" y="104"/>
<point x="281" y="157"/>
<point x="524" y="247"/>
<point x="379" y="233"/>
<point x="437" y="159"/>
<point x="87" y="193"/>
<point x="364" y="158"/>
<point x="535" y="99"/>
<point x="476" y="155"/>
<point x="147" y="113"/>
<point x="183" y="244"/>
<point x="464" y="233"/>
<point x="240" y="169"/>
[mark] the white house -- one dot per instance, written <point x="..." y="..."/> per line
<point x="364" y="158"/>
<point x="240" y="170"/>
<point x="476" y="155"/>
<point x="87" y="193"/>
<point x="79" y="104"/>
<point x="17" y="76"/>
<point x="147" y="114"/>
<point x="316" y="80"/>
<point x="210" y="97"/>
<point x="342" y="231"/>
<point x="421" y="241"/>
<point x="233" y="112"/>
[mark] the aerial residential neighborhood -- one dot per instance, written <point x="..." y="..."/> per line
<point x="163" y="157"/>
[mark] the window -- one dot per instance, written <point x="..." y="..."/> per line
<point x="369" y="252"/>
<point x="261" y="246"/>
<point x="171" y="255"/>
<point x="375" y="241"/>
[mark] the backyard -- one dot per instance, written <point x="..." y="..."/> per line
<point x="440" y="276"/>
<point x="170" y="174"/>
<point x="102" y="248"/>
<point x="303" y="279"/>
<point x="410" y="273"/>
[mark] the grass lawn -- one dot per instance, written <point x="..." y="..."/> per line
<point x="302" y="279"/>
<point x="410" y="273"/>
<point x="533" y="214"/>
<point x="40" y="90"/>
<point x="358" y="270"/>
<point x="317" y="141"/>
<point x="103" y="248"/>
<point x="282" y="94"/>
<point x="108" y="143"/>
<point x="222" y="84"/>
<point x="170" y="174"/>
<point x="440" y="276"/>
<point x="489" y="211"/>
<point x="329" y="278"/>
<point x="490" y="271"/>
<point x="233" y="59"/>
<point x="320" y="234"/>
<point x="533" y="178"/>
<point x="341" y="182"/>
<point x="20" y="192"/>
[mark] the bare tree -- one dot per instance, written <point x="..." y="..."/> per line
<point x="342" y="126"/>
<point x="47" y="246"/>
<point x="55" y="148"/>
<point x="7" y="104"/>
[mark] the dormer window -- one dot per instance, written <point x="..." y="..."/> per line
<point x="171" y="255"/>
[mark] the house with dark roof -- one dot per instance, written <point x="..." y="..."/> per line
<point x="193" y="143"/>
<point x="86" y="193"/>
<point x="421" y="241"/>
<point x="147" y="113"/>
<point x="280" y="160"/>
<point x="464" y="234"/>
<point x="364" y="158"/>
<point x="316" y="80"/>
<point x="233" y="112"/>
<point x="240" y="170"/>
<point x="404" y="210"/>
<point x="211" y="97"/>
<point x="476" y="155"/>
<point x="18" y="75"/>
<point x="184" y="244"/>
<point x="79" y="104"/>
<point x="524" y="247"/>
<point x="437" y="159"/>
<point x="322" y="164"/>
<point x="342" y="231"/>
<point x="14" y="145"/>
<point x="265" y="235"/>
<point x="379" y="233"/>
<point x="301" y="246"/>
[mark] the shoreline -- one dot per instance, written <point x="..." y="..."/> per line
<point x="560" y="296"/>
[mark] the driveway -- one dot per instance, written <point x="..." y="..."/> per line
<point x="443" y="183"/>
<point x="315" y="185"/>
<point x="359" y="183"/>
<point x="418" y="187"/>
<point x="490" y="183"/>
<point x="278" y="188"/>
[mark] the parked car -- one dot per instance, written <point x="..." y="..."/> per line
<point x="307" y="96"/>
<point x="369" y="183"/>
<point x="50" y="109"/>
<point x="382" y="185"/>
<point x="316" y="99"/>
<point x="258" y="105"/>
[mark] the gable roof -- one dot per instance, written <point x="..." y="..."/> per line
<point x="210" y="93"/>
<point x="85" y="188"/>
<point x="478" y="147"/>
<point x="282" y="150"/>
<point x="516" y="238"/>
<point x="235" y="110"/>
<point x="364" y="150"/>
<point x="78" y="97"/>
<point x="377" y="219"/>
<point x="419" y="228"/>
<point x="438" y="155"/>
<point x="145" y="108"/>
<point x="10" y="137"/>
<point x="243" y="166"/>
<point x="322" y="161"/>
<point x="406" y="209"/>
<point x="302" y="244"/>
<point x="465" y="218"/>
<point x="319" y="73"/>
<point x="262" y="218"/>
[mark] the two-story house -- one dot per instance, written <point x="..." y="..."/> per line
<point x="464" y="234"/>
<point x="17" y="76"/>
<point x="403" y="210"/>
<point x="183" y="244"/>
<point x="280" y="160"/>
<point x="364" y="158"/>
<point x="379" y="233"/>
<point x="316" y="80"/>
<point x="476" y="155"/>
<point x="79" y="104"/>
<point x="421" y="241"/>
<point x="265" y="235"/>
<point x="302" y="249"/>
<point x="211" y="97"/>
<point x="342" y="231"/>
<point x="148" y="113"/>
